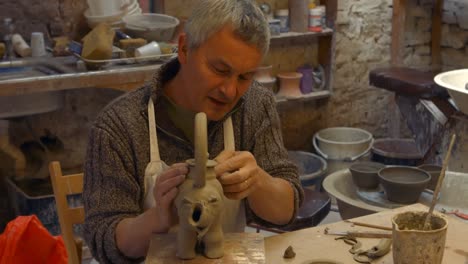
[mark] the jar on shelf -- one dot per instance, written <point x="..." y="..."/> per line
<point x="323" y="10"/>
<point x="290" y="83"/>
<point x="283" y="16"/>
<point x="275" y="27"/>
<point x="307" y="80"/>
<point x="264" y="76"/>
<point x="315" y="20"/>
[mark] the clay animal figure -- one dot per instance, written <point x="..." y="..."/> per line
<point x="199" y="202"/>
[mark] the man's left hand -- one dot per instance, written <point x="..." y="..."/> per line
<point x="238" y="173"/>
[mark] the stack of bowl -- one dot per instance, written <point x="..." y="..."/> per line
<point x="110" y="11"/>
<point x="401" y="184"/>
<point x="150" y="26"/>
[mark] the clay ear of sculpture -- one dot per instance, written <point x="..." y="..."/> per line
<point x="199" y="202"/>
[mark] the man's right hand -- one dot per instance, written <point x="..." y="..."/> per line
<point x="165" y="191"/>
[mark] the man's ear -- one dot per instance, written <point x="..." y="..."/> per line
<point x="183" y="48"/>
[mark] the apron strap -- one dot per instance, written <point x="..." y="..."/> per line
<point x="229" y="143"/>
<point x="154" y="148"/>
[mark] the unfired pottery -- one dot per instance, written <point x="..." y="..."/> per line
<point x="365" y="174"/>
<point x="264" y="76"/>
<point x="434" y="170"/>
<point x="403" y="184"/>
<point x="413" y="244"/>
<point x="199" y="202"/>
<point x="290" y="83"/>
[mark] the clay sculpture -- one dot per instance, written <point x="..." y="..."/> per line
<point x="199" y="202"/>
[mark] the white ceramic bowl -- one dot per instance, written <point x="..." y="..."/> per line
<point x="152" y="27"/>
<point x="456" y="83"/>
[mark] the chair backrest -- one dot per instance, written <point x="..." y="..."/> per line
<point x="64" y="185"/>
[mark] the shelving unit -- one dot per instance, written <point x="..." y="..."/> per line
<point x="326" y="49"/>
<point x="310" y="96"/>
<point x="290" y="35"/>
<point x="325" y="41"/>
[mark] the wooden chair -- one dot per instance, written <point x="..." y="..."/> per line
<point x="64" y="185"/>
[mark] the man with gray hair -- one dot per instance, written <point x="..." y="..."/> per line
<point x="128" y="188"/>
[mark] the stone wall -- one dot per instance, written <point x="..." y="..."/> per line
<point x="362" y="43"/>
<point x="455" y="34"/>
<point x="51" y="17"/>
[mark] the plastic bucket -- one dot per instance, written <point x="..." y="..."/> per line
<point x="311" y="167"/>
<point x="396" y="151"/>
<point x="341" y="146"/>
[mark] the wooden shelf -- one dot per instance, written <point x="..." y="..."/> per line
<point x="305" y="97"/>
<point x="295" y="35"/>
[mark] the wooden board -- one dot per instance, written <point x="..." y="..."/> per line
<point x="238" y="248"/>
<point x="312" y="243"/>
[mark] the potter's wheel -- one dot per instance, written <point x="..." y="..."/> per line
<point x="377" y="197"/>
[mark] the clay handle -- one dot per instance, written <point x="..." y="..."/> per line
<point x="201" y="149"/>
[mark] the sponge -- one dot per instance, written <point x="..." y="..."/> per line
<point x="97" y="44"/>
<point x="129" y="45"/>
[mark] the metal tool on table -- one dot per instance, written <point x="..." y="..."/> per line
<point x="368" y="225"/>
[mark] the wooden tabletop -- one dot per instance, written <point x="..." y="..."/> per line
<point x="312" y="243"/>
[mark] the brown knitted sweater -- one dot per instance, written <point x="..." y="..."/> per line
<point x="118" y="152"/>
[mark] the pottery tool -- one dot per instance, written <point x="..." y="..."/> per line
<point x="369" y="225"/>
<point x="364" y="234"/>
<point x="439" y="184"/>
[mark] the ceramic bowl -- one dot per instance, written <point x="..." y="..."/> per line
<point x="403" y="184"/>
<point x="365" y="174"/>
<point x="434" y="170"/>
<point x="150" y="26"/>
<point x="270" y="85"/>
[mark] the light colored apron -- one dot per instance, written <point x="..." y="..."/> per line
<point x="234" y="212"/>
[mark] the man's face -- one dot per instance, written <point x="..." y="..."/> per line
<point x="216" y="74"/>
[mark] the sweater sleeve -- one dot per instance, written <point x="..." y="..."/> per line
<point x="272" y="156"/>
<point x="111" y="192"/>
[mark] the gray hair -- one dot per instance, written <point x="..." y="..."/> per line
<point x="210" y="16"/>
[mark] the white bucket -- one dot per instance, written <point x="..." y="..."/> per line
<point x="341" y="146"/>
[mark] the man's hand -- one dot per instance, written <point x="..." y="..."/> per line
<point x="164" y="192"/>
<point x="238" y="173"/>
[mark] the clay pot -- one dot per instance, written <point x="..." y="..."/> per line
<point x="264" y="76"/>
<point x="290" y="83"/>
<point x="403" y="184"/>
<point x="412" y="244"/>
<point x="434" y="171"/>
<point x="365" y="174"/>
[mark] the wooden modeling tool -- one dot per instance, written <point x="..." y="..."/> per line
<point x="427" y="224"/>
<point x="369" y="225"/>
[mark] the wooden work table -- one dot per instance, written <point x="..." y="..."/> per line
<point x="312" y="243"/>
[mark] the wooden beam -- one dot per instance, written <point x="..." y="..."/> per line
<point x="398" y="32"/>
<point x="436" y="35"/>
<point x="158" y="6"/>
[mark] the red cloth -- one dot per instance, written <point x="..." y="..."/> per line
<point x="25" y="240"/>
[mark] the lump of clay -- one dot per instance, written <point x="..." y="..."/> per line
<point x="289" y="253"/>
